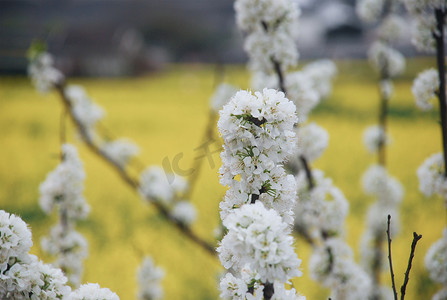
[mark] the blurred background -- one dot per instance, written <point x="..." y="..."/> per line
<point x="130" y="37"/>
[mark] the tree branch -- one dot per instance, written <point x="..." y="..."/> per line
<point x="389" y="258"/>
<point x="127" y="178"/>
<point x="416" y="238"/>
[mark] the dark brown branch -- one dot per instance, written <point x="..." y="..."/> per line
<point x="440" y="59"/>
<point x="308" y="171"/>
<point x="416" y="238"/>
<point x="133" y="183"/>
<point x="389" y="257"/>
<point x="383" y="125"/>
<point x="268" y="291"/>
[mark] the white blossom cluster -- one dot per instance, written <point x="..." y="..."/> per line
<point x="425" y="87"/>
<point x="386" y="60"/>
<point x="312" y="141"/>
<point x="42" y="72"/>
<point x="306" y="88"/>
<point x="166" y="188"/>
<point x="258" y="237"/>
<point x="24" y="276"/>
<point x="424" y="29"/>
<point x="391" y="28"/>
<point x="369" y="10"/>
<point x="388" y="193"/>
<point x="373" y="136"/>
<point x="431" y="176"/>
<point x="269" y="25"/>
<point x="321" y="210"/>
<point x="221" y="96"/>
<point x="92" y="291"/>
<point x="436" y="260"/>
<point x="63" y="188"/>
<point x="258" y="134"/>
<point x="120" y="150"/>
<point x="84" y="110"/>
<point x="149" y="280"/>
<point x="333" y="265"/>
<point x="70" y="248"/>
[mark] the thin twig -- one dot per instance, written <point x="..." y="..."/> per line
<point x="440" y="59"/>
<point x="416" y="238"/>
<point x="127" y="178"/>
<point x="389" y="257"/>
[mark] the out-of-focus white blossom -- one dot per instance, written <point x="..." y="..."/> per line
<point x="373" y="136"/>
<point x="422" y="32"/>
<point x="70" y="247"/>
<point x="386" y="89"/>
<point x="86" y="112"/>
<point x="369" y="10"/>
<point x="321" y="210"/>
<point x="92" y="291"/>
<point x="312" y="141"/>
<point x="425" y="87"/>
<point x="250" y="13"/>
<point x="420" y="6"/>
<point x="149" y="280"/>
<point x="184" y="212"/>
<point x="300" y="89"/>
<point x="321" y="72"/>
<point x="376" y="181"/>
<point x="391" y="28"/>
<point x="43" y="75"/>
<point x="259" y="238"/>
<point x="441" y="295"/>
<point x="386" y="60"/>
<point x="120" y="150"/>
<point x="431" y="176"/>
<point x="436" y="260"/>
<point x="332" y="264"/>
<point x="265" y="48"/>
<point x="221" y="96"/>
<point x="156" y="184"/>
<point x="64" y="186"/>
<point x="15" y="239"/>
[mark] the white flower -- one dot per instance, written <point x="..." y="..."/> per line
<point x="64" y="186"/>
<point x="373" y="136"/>
<point x="259" y="238"/>
<point x="425" y="87"/>
<point x="149" y="280"/>
<point x="92" y="291"/>
<point x="222" y="95"/>
<point x="423" y="29"/>
<point x="15" y="238"/>
<point x="157" y="185"/>
<point x="376" y="181"/>
<point x="386" y="88"/>
<point x="43" y="75"/>
<point x="71" y="249"/>
<point x="120" y="151"/>
<point x="391" y="28"/>
<point x="431" y="176"/>
<point x="232" y="287"/>
<point x="86" y="112"/>
<point x="312" y="141"/>
<point x="184" y="212"/>
<point x="418" y="6"/>
<point x="323" y="209"/>
<point x="281" y="293"/>
<point x="436" y="260"/>
<point x="321" y="72"/>
<point x="440" y="295"/>
<point x="386" y="60"/>
<point x="333" y="265"/>
<point x="369" y="10"/>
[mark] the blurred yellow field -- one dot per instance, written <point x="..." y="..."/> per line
<point x="166" y="114"/>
